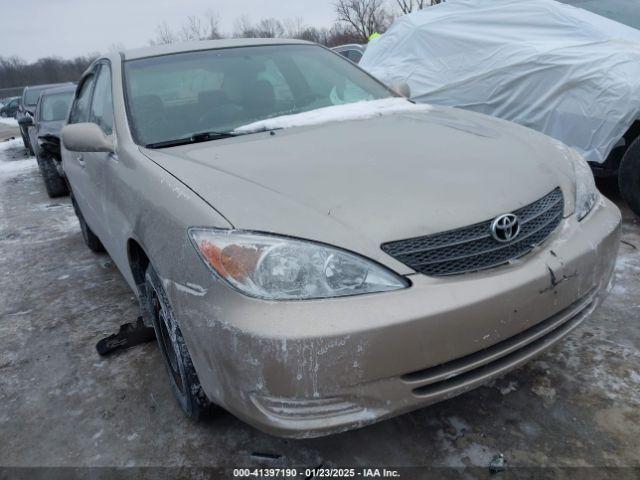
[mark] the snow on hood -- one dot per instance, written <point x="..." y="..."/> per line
<point x="337" y="113"/>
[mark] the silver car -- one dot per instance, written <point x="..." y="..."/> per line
<point x="317" y="253"/>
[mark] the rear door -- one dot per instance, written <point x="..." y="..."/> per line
<point x="75" y="164"/>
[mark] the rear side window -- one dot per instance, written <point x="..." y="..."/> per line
<point x="102" y="104"/>
<point x="31" y="95"/>
<point x="354" y="55"/>
<point x="80" y="109"/>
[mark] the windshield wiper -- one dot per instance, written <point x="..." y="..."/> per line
<point x="195" y="138"/>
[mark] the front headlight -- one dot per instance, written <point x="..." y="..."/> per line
<point x="280" y="268"/>
<point x="586" y="191"/>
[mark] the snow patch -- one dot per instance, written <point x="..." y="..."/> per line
<point x="9" y="121"/>
<point x="11" y="144"/>
<point x="12" y="168"/>
<point x="337" y="113"/>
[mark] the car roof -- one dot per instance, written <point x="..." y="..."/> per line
<point x="45" y="85"/>
<point x="52" y="91"/>
<point x="157" y="50"/>
<point x="350" y="46"/>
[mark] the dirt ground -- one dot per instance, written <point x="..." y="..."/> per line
<point x="63" y="405"/>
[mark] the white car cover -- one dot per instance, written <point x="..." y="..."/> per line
<point x="556" y="68"/>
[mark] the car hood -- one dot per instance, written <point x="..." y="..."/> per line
<point x="358" y="184"/>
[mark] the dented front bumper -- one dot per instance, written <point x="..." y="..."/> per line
<point x="311" y="368"/>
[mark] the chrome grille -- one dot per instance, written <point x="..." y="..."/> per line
<point x="473" y="248"/>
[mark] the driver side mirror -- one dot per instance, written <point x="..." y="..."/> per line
<point x="25" y="121"/>
<point x="86" y="137"/>
<point x="402" y="88"/>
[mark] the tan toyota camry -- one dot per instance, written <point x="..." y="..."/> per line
<point x="317" y="253"/>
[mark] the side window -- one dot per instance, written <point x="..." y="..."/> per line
<point x="80" y="109"/>
<point x="354" y="55"/>
<point x="102" y="104"/>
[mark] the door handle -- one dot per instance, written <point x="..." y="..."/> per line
<point x="80" y="160"/>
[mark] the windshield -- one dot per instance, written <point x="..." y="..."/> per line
<point x="180" y="95"/>
<point x="32" y="94"/>
<point x="55" y="107"/>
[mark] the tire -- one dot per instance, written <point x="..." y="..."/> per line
<point x="629" y="176"/>
<point x="182" y="376"/>
<point x="90" y="238"/>
<point x="53" y="182"/>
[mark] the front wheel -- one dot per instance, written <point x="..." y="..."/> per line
<point x="629" y="176"/>
<point x="90" y="238"/>
<point x="182" y="376"/>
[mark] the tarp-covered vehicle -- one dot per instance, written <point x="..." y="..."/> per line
<point x="561" y="70"/>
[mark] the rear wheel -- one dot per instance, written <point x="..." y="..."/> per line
<point x="182" y="376"/>
<point x="629" y="176"/>
<point x="53" y="182"/>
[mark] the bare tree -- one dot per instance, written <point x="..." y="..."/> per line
<point x="364" y="16"/>
<point x="408" y="6"/>
<point x="116" y="47"/>
<point x="294" y="27"/>
<point x="265" y="28"/>
<point x="193" y="29"/>
<point x="213" y="21"/>
<point x="242" y="27"/>
<point x="269" y="28"/>
<point x="15" y="72"/>
<point x="164" y="35"/>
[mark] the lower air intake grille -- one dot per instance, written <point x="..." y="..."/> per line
<point x="473" y="248"/>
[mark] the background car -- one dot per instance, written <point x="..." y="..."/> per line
<point x="10" y="107"/>
<point x="44" y="135"/>
<point x="27" y="108"/>
<point x="352" y="51"/>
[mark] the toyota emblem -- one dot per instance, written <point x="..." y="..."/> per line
<point x="505" y="227"/>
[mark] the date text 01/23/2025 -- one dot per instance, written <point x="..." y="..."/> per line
<point x="316" y="472"/>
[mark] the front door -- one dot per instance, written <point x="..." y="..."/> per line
<point x="75" y="163"/>
<point x="104" y="168"/>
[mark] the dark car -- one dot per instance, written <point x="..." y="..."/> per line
<point x="10" y="107"/>
<point x="44" y="135"/>
<point x="27" y="108"/>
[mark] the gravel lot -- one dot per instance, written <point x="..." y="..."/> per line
<point x="63" y="405"/>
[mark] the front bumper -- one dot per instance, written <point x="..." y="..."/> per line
<point x="311" y="368"/>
